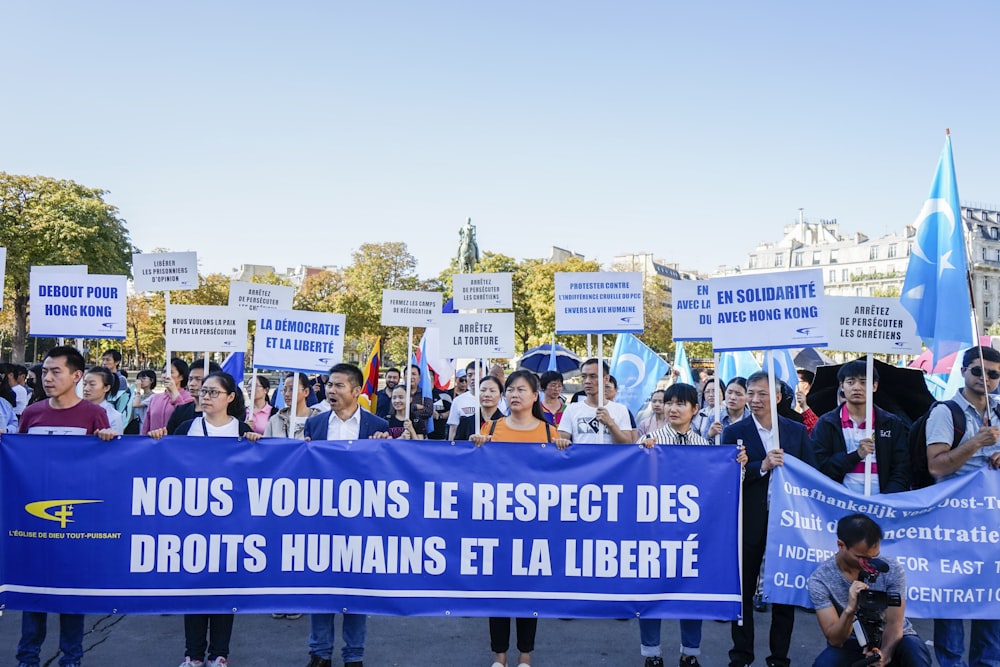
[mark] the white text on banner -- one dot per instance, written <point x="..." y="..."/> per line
<point x="252" y="297"/>
<point x="162" y="271"/>
<point x="473" y="291"/>
<point x="768" y="311"/>
<point x="870" y="324"/>
<point x="691" y="310"/>
<point x="605" y="302"/>
<point x="401" y="308"/>
<point x="77" y="305"/>
<point x="206" y="328"/>
<point x="477" y="335"/>
<point x="298" y="340"/>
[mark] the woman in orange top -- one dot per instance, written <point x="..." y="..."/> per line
<point x="526" y="423"/>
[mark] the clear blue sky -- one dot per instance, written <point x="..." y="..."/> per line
<point x="290" y="133"/>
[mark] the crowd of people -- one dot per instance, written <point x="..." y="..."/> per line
<point x="202" y="401"/>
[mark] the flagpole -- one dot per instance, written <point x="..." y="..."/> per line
<point x="600" y="376"/>
<point x="869" y="418"/>
<point x="292" y="409"/>
<point x="409" y="358"/>
<point x="718" y="401"/>
<point x="775" y="441"/>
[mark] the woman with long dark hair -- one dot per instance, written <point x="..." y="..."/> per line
<point x="489" y="394"/>
<point x="175" y="393"/>
<point x="98" y="384"/>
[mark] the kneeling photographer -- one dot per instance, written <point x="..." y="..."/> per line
<point x="860" y="603"/>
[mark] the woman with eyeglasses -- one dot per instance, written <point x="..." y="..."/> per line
<point x="490" y="391"/>
<point x="525" y="423"/>
<point x="222" y="411"/>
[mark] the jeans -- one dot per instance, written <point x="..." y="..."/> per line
<point x="649" y="636"/>
<point x="984" y="643"/>
<point x="33" y="626"/>
<point x="322" y="636"/>
<point x="207" y="632"/>
<point x="910" y="652"/>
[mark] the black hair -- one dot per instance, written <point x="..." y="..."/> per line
<point x="114" y="354"/>
<point x="595" y="360"/>
<point x="303" y="381"/>
<point x="682" y="393"/>
<point x="109" y="378"/>
<point x="74" y="360"/>
<point x="200" y="363"/>
<point x="855" y="369"/>
<point x="182" y="369"/>
<point x="37" y="391"/>
<point x="612" y="381"/>
<point x="237" y="408"/>
<point x="264" y="382"/>
<point x="549" y="377"/>
<point x="148" y="374"/>
<point x="855" y="528"/>
<point x="393" y="370"/>
<point x="741" y="381"/>
<point x="493" y="378"/>
<point x="20" y="370"/>
<point x="353" y="373"/>
<point x="758" y="376"/>
<point x="989" y="354"/>
<point x="532" y="380"/>
<point x="659" y="391"/>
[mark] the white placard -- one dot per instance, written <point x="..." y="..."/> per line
<point x="401" y="308"/>
<point x="77" y="305"/>
<point x="206" y="329"/>
<point x="870" y="324"/>
<point x="3" y="272"/>
<point x="691" y="310"/>
<point x="766" y="311"/>
<point x="298" y="340"/>
<point x="162" y="271"/>
<point x="477" y="335"/>
<point x="472" y="291"/>
<point x="605" y="302"/>
<point x="252" y="297"/>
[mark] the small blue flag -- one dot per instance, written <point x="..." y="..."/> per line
<point x="736" y="364"/>
<point x="682" y="365"/>
<point x="784" y="366"/>
<point x="935" y="290"/>
<point x="637" y="370"/>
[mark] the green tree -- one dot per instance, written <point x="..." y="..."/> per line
<point x="44" y="221"/>
<point x="538" y="320"/>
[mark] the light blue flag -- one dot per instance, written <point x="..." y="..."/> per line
<point x="553" y="362"/>
<point x="637" y="370"/>
<point x="682" y="365"/>
<point x="784" y="366"/>
<point x="426" y="378"/>
<point x="935" y="290"/>
<point x="737" y="364"/>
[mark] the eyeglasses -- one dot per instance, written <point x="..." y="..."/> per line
<point x="211" y="393"/>
<point x="978" y="372"/>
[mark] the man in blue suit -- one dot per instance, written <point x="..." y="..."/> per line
<point x="346" y="420"/>
<point x="764" y="454"/>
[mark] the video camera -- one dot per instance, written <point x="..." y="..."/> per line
<point x="869" y="621"/>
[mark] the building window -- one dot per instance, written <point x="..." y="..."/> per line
<point x="833" y="276"/>
<point x="984" y="254"/>
<point x="753" y="262"/>
<point x="873" y="252"/>
<point x="833" y="256"/>
<point x="998" y="255"/>
<point x="798" y="259"/>
<point x="986" y="283"/>
<point x="844" y="275"/>
<point x="995" y="233"/>
<point x="892" y="250"/>
<point x="817" y="255"/>
<point x="857" y="291"/>
<point x="986" y="310"/>
<point x="779" y="259"/>
<point x="909" y="248"/>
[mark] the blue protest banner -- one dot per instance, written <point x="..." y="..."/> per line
<point x="370" y="526"/>
<point x="945" y="536"/>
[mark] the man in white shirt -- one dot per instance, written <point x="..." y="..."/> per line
<point x="585" y="422"/>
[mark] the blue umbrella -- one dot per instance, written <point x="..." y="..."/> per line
<point x="537" y="359"/>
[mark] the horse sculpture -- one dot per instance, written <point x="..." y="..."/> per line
<point x="468" y="249"/>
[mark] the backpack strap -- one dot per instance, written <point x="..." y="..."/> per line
<point x="548" y="432"/>
<point x="493" y="426"/>
<point x="958" y="422"/>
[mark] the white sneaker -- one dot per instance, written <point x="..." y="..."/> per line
<point x="218" y="662"/>
<point x="188" y="662"/>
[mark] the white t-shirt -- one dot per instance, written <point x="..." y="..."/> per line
<point x="462" y="405"/>
<point x="580" y="421"/>
<point x="21" y="396"/>
<point x="201" y="428"/>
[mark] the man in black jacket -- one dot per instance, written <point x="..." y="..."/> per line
<point x="842" y="439"/>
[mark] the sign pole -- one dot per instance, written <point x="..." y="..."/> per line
<point x="409" y="357"/>
<point x="869" y="431"/>
<point x="718" y="397"/>
<point x="775" y="441"/>
<point x="600" y="375"/>
<point x="293" y="414"/>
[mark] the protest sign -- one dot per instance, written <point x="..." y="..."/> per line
<point x="870" y="324"/>
<point x="252" y="297"/>
<point x="765" y="311"/>
<point x="368" y="527"/>
<point x="77" y="305"/>
<point x="473" y="291"/>
<point x="477" y="335"/>
<point x="605" y="302"/>
<point x="163" y="271"/>
<point x="691" y="310"/>
<point x="206" y="328"/>
<point x="298" y="340"/>
<point x="402" y="308"/>
<point x="945" y="536"/>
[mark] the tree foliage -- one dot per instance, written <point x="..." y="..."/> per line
<point x="44" y="221"/>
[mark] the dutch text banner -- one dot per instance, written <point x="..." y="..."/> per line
<point x="477" y="335"/>
<point x="252" y="297"/>
<point x="206" y="328"/>
<point x="475" y="291"/>
<point x="77" y="305"/>
<point x="164" y="271"/>
<point x="371" y="526"/>
<point x="402" y="308"/>
<point x="945" y="536"/>
<point x="606" y="302"/>
<point x="870" y="324"/>
<point x="767" y="311"/>
<point x="298" y="340"/>
<point x="691" y="310"/>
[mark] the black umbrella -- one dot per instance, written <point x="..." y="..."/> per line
<point x="809" y="358"/>
<point x="901" y="391"/>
